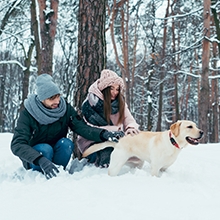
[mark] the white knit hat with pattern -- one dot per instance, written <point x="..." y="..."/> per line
<point x="108" y="78"/>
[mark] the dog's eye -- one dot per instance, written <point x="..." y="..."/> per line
<point x="190" y="126"/>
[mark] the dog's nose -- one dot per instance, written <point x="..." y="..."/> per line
<point x="201" y="133"/>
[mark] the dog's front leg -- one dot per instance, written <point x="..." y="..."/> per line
<point x="155" y="170"/>
<point x="118" y="159"/>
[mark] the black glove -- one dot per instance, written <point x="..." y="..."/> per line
<point x="111" y="136"/>
<point x="103" y="157"/>
<point x="48" y="168"/>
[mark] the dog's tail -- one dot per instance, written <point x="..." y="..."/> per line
<point x="97" y="147"/>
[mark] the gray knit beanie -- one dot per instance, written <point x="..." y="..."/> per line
<point x="46" y="87"/>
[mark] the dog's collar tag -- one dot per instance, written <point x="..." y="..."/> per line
<point x="173" y="141"/>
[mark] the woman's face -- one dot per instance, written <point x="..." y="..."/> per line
<point x="114" y="89"/>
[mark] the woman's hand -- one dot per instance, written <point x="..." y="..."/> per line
<point x="131" y="131"/>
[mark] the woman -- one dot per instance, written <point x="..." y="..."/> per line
<point x="105" y="107"/>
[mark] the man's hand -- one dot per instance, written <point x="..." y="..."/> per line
<point x="112" y="135"/>
<point x="48" y="168"/>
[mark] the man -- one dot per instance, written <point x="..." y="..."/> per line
<point x="40" y="135"/>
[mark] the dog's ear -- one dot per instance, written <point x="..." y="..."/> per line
<point x="175" y="128"/>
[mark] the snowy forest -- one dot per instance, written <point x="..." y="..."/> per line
<point x="166" y="51"/>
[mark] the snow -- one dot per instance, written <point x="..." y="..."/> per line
<point x="188" y="190"/>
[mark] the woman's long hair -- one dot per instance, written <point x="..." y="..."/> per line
<point x="107" y="105"/>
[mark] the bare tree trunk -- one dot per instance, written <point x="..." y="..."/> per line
<point x="27" y="62"/>
<point x="204" y="90"/>
<point x="123" y="7"/>
<point x="125" y="38"/>
<point x="133" y="67"/>
<point x="189" y="79"/>
<point x="176" y="115"/>
<point x="91" y="49"/>
<point x="216" y="22"/>
<point x="91" y="46"/>
<point x="26" y="72"/>
<point x="2" y="94"/>
<point x="160" y="104"/>
<point x="44" y="38"/>
<point x="214" y="99"/>
<point x="214" y="113"/>
<point x="214" y="131"/>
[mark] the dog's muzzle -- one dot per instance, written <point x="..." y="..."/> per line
<point x="195" y="141"/>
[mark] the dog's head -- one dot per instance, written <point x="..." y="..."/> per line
<point x="186" y="131"/>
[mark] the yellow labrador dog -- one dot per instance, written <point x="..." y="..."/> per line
<point x="160" y="149"/>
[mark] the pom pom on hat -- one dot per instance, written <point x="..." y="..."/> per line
<point x="46" y="87"/>
<point x="109" y="78"/>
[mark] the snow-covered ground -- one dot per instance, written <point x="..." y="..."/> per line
<point x="188" y="190"/>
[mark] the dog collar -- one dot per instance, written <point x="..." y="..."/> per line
<point x="173" y="141"/>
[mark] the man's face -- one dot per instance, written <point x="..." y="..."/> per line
<point x="52" y="102"/>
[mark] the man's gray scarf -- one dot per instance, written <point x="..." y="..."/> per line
<point x="42" y="114"/>
<point x="95" y="114"/>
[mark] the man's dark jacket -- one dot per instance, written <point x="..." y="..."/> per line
<point x="29" y="132"/>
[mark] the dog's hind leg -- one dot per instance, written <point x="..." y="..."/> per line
<point x="118" y="159"/>
<point x="140" y="165"/>
<point x="135" y="164"/>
